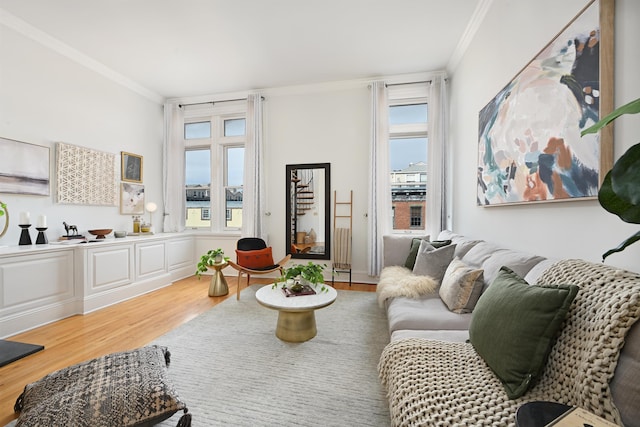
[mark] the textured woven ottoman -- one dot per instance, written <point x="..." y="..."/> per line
<point x="120" y="389"/>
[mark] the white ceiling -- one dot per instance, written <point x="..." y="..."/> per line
<point x="170" y="48"/>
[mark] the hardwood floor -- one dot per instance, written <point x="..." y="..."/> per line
<point x="124" y="326"/>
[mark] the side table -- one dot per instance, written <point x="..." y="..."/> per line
<point x="218" y="286"/>
<point x="539" y="413"/>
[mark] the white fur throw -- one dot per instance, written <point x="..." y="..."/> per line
<point x="396" y="281"/>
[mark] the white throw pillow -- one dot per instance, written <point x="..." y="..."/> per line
<point x="461" y="287"/>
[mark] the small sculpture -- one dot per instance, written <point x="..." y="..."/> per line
<point x="72" y="228"/>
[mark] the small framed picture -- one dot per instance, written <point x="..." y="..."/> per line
<point x="131" y="167"/>
<point x="131" y="199"/>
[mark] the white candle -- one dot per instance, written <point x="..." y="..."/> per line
<point x="24" y="218"/>
<point x="42" y="221"/>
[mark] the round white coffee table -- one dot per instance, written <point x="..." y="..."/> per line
<point x="296" y="314"/>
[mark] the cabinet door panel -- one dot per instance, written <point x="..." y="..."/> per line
<point x="110" y="267"/>
<point x="37" y="278"/>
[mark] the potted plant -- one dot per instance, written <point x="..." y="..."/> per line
<point x="620" y="190"/>
<point x="214" y="256"/>
<point x="300" y="274"/>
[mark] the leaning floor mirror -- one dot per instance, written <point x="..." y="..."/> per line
<point x="308" y="210"/>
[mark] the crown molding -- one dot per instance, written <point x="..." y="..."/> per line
<point x="469" y="33"/>
<point x="27" y="30"/>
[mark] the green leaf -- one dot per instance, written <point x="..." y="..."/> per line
<point x="625" y="175"/>
<point x="610" y="201"/>
<point x="632" y="107"/>
<point x="620" y="193"/>
<point x="622" y="246"/>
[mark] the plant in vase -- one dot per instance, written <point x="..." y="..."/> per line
<point x="296" y="276"/>
<point x="213" y="256"/>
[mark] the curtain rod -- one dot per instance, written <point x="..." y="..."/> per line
<point x="411" y="83"/>
<point x="215" y="102"/>
<point x="407" y="83"/>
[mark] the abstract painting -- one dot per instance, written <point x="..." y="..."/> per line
<point x="131" y="199"/>
<point x="529" y="143"/>
<point x="24" y="168"/>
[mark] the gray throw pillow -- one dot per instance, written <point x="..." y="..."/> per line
<point x="432" y="261"/>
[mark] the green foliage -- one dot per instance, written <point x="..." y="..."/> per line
<point x="310" y="272"/>
<point x="620" y="190"/>
<point x="3" y="208"/>
<point x="207" y="260"/>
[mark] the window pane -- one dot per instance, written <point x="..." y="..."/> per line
<point x="405" y="114"/>
<point x="233" y="206"/>
<point x="408" y="160"/>
<point x="197" y="130"/>
<point x="198" y="187"/>
<point x="235" y="166"/>
<point x="234" y="127"/>
<point x="233" y="186"/>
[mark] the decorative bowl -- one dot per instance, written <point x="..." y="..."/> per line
<point x="120" y="234"/>
<point x="100" y="233"/>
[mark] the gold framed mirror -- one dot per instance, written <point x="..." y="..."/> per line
<point x="308" y="210"/>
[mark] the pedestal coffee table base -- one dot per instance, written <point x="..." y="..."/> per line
<point x="296" y="314"/>
<point x="296" y="326"/>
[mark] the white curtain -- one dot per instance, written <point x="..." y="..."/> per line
<point x="253" y="202"/>
<point x="380" y="213"/>
<point x="173" y="184"/>
<point x="437" y="156"/>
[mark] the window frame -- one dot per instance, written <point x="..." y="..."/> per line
<point x="216" y="114"/>
<point x="409" y="94"/>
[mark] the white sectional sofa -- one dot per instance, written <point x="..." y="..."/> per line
<point x="434" y="376"/>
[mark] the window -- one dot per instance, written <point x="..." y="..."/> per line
<point x="416" y="217"/>
<point x="214" y="139"/>
<point x="198" y="187"/>
<point x="408" y="141"/>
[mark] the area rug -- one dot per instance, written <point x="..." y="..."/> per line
<point x="10" y="351"/>
<point x="231" y="370"/>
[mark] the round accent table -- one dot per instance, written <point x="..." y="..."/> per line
<point x="296" y="314"/>
<point x="539" y="413"/>
<point x="218" y="286"/>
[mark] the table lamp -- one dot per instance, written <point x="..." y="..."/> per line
<point x="151" y="208"/>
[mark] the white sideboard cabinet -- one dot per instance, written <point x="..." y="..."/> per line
<point x="43" y="283"/>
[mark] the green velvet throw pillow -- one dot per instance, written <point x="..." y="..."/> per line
<point x="515" y="325"/>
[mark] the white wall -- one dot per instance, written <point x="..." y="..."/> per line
<point x="512" y="33"/>
<point x="319" y="124"/>
<point x="46" y="98"/>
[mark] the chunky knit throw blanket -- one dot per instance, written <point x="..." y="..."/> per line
<point x="438" y="383"/>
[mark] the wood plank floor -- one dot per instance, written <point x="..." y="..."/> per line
<point x="124" y="326"/>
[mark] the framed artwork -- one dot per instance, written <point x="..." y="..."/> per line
<point x="131" y="199"/>
<point x="529" y="143"/>
<point x="131" y="167"/>
<point x="85" y="176"/>
<point x="24" y="168"/>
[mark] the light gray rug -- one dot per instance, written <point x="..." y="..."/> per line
<point x="231" y="369"/>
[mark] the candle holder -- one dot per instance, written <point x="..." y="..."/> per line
<point x="25" y="238"/>
<point x="42" y="238"/>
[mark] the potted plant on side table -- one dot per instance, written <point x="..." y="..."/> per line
<point x="214" y="256"/>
